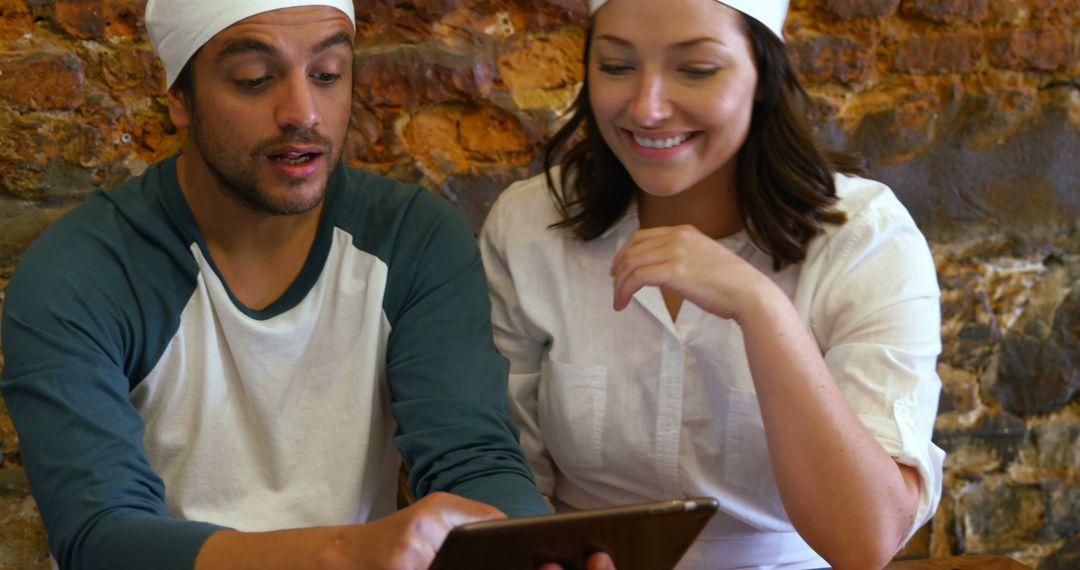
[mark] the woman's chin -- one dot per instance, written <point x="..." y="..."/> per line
<point x="659" y="189"/>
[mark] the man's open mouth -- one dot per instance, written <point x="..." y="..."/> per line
<point x="295" y="158"/>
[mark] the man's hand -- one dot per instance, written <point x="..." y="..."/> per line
<point x="405" y="540"/>
<point x="409" y="538"/>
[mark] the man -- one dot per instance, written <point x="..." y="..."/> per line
<point x="239" y="337"/>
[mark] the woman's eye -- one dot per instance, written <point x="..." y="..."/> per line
<point x="700" y="72"/>
<point x="614" y="68"/>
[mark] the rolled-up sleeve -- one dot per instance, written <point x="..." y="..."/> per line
<point x="876" y="314"/>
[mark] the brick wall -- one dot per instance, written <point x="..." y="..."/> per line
<point x="970" y="109"/>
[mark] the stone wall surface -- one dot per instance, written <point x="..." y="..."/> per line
<point x="969" y="109"/>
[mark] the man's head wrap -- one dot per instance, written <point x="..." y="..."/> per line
<point x="178" y="28"/>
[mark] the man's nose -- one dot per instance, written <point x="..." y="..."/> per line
<point x="297" y="107"/>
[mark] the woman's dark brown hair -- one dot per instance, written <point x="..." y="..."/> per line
<point x="784" y="179"/>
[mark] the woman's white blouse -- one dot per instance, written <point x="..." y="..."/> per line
<point x="625" y="407"/>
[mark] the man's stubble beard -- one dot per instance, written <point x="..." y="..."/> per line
<point x="240" y="183"/>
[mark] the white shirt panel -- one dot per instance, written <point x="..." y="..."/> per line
<point x="623" y="407"/>
<point x="285" y="421"/>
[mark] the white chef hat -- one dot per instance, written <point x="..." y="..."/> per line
<point x="768" y="12"/>
<point x="178" y="28"/>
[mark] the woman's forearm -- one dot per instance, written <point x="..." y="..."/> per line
<point x="844" y="494"/>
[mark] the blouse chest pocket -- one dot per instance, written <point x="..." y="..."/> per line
<point x="572" y="401"/>
<point x="746" y="452"/>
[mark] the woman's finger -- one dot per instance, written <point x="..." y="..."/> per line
<point x="637" y="245"/>
<point x="632" y="281"/>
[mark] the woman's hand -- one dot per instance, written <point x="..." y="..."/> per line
<point x="685" y="261"/>
<point x="598" y="561"/>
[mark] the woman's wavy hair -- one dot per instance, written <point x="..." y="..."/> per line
<point x="784" y="179"/>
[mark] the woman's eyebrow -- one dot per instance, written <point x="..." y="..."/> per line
<point x="615" y="40"/>
<point x="697" y="41"/>
<point x="678" y="45"/>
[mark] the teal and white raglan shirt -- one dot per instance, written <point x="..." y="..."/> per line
<point x="153" y="408"/>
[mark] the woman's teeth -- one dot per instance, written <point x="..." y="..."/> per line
<point x="660" y="143"/>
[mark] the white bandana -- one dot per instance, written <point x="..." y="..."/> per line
<point x="768" y="12"/>
<point x="178" y="28"/>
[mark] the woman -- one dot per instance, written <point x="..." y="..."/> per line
<point x="695" y="301"/>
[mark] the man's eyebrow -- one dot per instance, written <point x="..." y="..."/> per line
<point x="340" y="38"/>
<point x="245" y="45"/>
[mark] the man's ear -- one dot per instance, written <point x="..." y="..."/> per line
<point x="179" y="107"/>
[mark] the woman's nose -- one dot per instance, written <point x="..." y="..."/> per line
<point x="649" y="105"/>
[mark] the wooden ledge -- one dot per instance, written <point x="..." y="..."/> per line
<point x="965" y="562"/>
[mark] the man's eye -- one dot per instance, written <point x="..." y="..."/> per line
<point x="253" y="83"/>
<point x="326" y="77"/>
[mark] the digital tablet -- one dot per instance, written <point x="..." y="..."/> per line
<point x="650" y="536"/>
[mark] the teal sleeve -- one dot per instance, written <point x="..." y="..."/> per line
<point x="71" y="341"/>
<point x="446" y="377"/>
